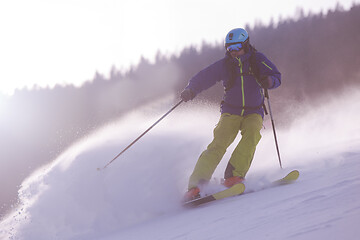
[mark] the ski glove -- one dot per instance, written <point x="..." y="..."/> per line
<point x="187" y="95"/>
<point x="266" y="81"/>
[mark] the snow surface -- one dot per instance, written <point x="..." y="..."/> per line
<point x="138" y="195"/>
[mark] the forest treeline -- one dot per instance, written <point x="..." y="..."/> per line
<point x="317" y="54"/>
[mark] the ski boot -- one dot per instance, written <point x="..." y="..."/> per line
<point x="229" y="182"/>
<point x="192" y="194"/>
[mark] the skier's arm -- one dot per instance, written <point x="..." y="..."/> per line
<point x="206" y="78"/>
<point x="267" y="68"/>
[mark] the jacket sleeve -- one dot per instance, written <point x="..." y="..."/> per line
<point x="267" y="68"/>
<point x="207" y="77"/>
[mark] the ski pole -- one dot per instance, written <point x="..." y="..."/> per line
<point x="141" y="135"/>
<point x="273" y="126"/>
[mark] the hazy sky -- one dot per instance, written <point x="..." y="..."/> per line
<point x="45" y="42"/>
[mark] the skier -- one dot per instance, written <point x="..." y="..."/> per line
<point x="244" y="72"/>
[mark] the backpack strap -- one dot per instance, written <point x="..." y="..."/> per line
<point x="254" y="69"/>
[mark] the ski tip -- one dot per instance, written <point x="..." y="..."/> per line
<point x="290" y="177"/>
<point x="295" y="173"/>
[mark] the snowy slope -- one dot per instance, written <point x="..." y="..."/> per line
<point x="137" y="197"/>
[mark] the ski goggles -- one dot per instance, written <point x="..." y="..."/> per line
<point x="235" y="47"/>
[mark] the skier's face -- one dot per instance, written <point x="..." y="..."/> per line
<point x="236" y="54"/>
<point x="235" y="49"/>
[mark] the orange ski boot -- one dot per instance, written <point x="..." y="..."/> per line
<point x="192" y="194"/>
<point x="229" y="182"/>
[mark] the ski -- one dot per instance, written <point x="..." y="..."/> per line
<point x="289" y="178"/>
<point x="238" y="189"/>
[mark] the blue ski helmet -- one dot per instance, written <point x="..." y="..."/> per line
<point x="237" y="35"/>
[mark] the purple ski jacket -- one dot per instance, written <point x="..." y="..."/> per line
<point x="245" y="96"/>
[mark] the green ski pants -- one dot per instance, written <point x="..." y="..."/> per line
<point x="225" y="133"/>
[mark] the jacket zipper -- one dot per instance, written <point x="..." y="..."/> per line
<point x="242" y="86"/>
